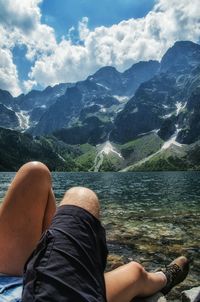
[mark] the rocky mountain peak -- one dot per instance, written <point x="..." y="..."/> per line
<point x="141" y="66"/>
<point x="105" y="71"/>
<point x="5" y="97"/>
<point x="181" y="56"/>
<point x="108" y="77"/>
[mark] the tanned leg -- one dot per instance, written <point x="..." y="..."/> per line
<point x="84" y="198"/>
<point x="127" y="281"/>
<point x="27" y="210"/>
<point x="131" y="280"/>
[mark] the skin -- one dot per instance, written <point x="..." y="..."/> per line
<point x="27" y="211"/>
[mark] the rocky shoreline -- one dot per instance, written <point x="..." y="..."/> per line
<point x="192" y="295"/>
<point x="154" y="241"/>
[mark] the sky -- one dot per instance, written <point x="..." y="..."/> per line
<point x="46" y="42"/>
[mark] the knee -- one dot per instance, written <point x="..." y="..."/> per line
<point x="36" y="169"/>
<point x="83" y="197"/>
<point x="138" y="271"/>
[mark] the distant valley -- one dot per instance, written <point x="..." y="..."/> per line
<point x="144" y="119"/>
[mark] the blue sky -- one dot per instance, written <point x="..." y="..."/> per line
<point x="45" y="42"/>
<point x="63" y="14"/>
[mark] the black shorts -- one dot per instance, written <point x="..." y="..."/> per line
<point x="69" y="261"/>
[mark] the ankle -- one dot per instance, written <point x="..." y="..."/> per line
<point x="163" y="277"/>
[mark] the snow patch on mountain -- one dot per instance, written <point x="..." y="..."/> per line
<point x="179" y="107"/>
<point x="103" y="109"/>
<point x="105" y="149"/>
<point x="152" y="131"/>
<point x="167" y="115"/>
<point x="172" y="140"/>
<point x="103" y="86"/>
<point x="24" y="119"/>
<point x="121" y="99"/>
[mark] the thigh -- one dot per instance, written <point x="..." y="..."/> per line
<point x="27" y="206"/>
<point x="69" y="262"/>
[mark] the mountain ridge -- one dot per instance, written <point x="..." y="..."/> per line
<point x="150" y="106"/>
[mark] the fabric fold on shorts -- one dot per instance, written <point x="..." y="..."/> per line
<point x="69" y="262"/>
<point x="10" y="288"/>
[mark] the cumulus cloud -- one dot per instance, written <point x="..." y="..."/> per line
<point x="83" y="28"/>
<point x="119" y="45"/>
<point x="122" y="44"/>
<point x="21" y="25"/>
<point x="23" y="14"/>
<point x="66" y="63"/>
<point x="8" y="73"/>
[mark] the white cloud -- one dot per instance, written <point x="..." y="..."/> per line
<point x="83" y="28"/>
<point x="27" y="85"/>
<point x="21" y="25"/>
<point x="40" y="42"/>
<point x="23" y="14"/>
<point x="66" y="63"/>
<point x="8" y="73"/>
<point x="120" y="45"/>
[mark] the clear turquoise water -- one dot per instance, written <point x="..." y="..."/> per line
<point x="150" y="217"/>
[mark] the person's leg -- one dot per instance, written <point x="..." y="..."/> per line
<point x="131" y="280"/>
<point x="84" y="198"/>
<point x="26" y="212"/>
<point x="71" y="257"/>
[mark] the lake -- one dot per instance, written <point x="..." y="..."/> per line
<point x="149" y="217"/>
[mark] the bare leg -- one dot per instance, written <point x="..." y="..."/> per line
<point x="131" y="280"/>
<point x="26" y="212"/>
<point x="127" y="281"/>
<point x="84" y="198"/>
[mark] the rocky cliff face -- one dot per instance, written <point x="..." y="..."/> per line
<point x="106" y="88"/>
<point x="8" y="117"/>
<point x="59" y="114"/>
<point x="61" y="106"/>
<point x="45" y="98"/>
<point x="167" y="103"/>
<point x="183" y="56"/>
<point x="6" y="98"/>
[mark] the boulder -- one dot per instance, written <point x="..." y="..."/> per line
<point x="192" y="295"/>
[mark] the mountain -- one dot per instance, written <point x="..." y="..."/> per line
<point x="5" y="98"/>
<point x="60" y="113"/>
<point x="146" y="118"/>
<point x="126" y="83"/>
<point x="42" y="112"/>
<point x="45" y="98"/>
<point x="174" y="158"/>
<point x="182" y="56"/>
<point x="21" y="148"/>
<point x="8" y="117"/>
<point x="167" y="103"/>
<point x="107" y="88"/>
